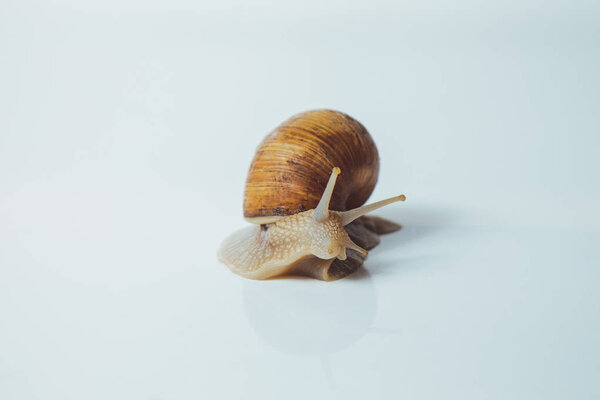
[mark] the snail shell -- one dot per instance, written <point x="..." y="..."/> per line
<point x="293" y="163"/>
<point x="302" y="225"/>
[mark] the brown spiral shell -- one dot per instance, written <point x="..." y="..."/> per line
<point x="293" y="163"/>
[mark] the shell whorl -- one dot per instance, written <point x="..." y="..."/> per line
<point x="292" y="165"/>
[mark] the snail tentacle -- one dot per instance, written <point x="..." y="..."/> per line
<point x="351" y="245"/>
<point x="322" y="210"/>
<point x="351" y="215"/>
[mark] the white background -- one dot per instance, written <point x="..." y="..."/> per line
<point x="126" y="130"/>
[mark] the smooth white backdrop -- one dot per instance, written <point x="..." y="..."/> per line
<point x="126" y="131"/>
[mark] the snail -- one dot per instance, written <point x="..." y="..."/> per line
<point x="304" y="196"/>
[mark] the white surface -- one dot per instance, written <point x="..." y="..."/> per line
<point x="125" y="136"/>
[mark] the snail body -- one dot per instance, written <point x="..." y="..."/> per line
<point x="301" y="225"/>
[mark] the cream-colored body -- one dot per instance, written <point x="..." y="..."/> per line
<point x="306" y="243"/>
<point x="261" y="253"/>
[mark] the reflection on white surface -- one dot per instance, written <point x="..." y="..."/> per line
<point x="311" y="318"/>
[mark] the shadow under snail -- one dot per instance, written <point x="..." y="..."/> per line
<point x="304" y="196"/>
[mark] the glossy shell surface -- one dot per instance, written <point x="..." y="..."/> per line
<point x="293" y="163"/>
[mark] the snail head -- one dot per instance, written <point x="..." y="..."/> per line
<point x="327" y="227"/>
